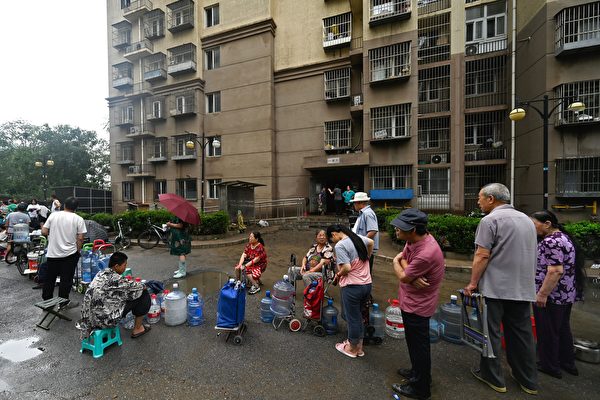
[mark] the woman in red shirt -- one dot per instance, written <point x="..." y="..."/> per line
<point x="253" y="260"/>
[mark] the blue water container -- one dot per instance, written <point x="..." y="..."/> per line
<point x="329" y="318"/>
<point x="95" y="268"/>
<point x="451" y="320"/>
<point x="266" y="315"/>
<point x="195" y="303"/>
<point x="231" y="307"/>
<point x="86" y="266"/>
<point x="377" y="321"/>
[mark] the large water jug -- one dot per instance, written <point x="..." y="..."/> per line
<point x="451" y="319"/>
<point x="175" y="307"/>
<point x="20" y="233"/>
<point x="474" y="321"/>
<point x="435" y="330"/>
<point x="195" y="303"/>
<point x="329" y="318"/>
<point x="377" y="321"/>
<point x="86" y="266"/>
<point x="394" y="325"/>
<point x="95" y="268"/>
<point x="154" y="312"/>
<point x="283" y="297"/>
<point x="266" y="315"/>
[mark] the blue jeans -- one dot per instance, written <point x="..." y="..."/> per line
<point x="353" y="296"/>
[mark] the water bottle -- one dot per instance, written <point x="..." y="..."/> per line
<point x="377" y="321"/>
<point x="329" y="319"/>
<point x="194" y="309"/>
<point x="162" y="301"/>
<point x="175" y="307"/>
<point x="283" y="297"/>
<point x="128" y="321"/>
<point x="154" y="312"/>
<point x="394" y="325"/>
<point x="95" y="269"/>
<point x="266" y="315"/>
<point x="474" y="321"/>
<point x="451" y="319"/>
<point x="86" y="267"/>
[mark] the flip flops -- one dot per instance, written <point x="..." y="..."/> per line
<point x="360" y="353"/>
<point x="341" y="347"/>
<point x="137" y="335"/>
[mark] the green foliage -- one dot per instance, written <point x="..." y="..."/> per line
<point x="213" y="224"/>
<point x="210" y="224"/>
<point x="103" y="219"/>
<point x="83" y="215"/>
<point x="586" y="235"/>
<point x="138" y="220"/>
<point x="383" y="214"/>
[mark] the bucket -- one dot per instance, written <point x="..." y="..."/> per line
<point x="32" y="261"/>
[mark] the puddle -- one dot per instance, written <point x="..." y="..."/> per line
<point x="19" y="350"/>
<point x="208" y="283"/>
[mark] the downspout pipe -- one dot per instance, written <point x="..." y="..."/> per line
<point x="513" y="96"/>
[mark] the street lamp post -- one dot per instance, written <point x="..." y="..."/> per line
<point x="519" y="113"/>
<point x="190" y="144"/>
<point x="46" y="163"/>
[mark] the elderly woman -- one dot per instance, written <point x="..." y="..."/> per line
<point x="308" y="272"/>
<point x="253" y="260"/>
<point x="110" y="297"/>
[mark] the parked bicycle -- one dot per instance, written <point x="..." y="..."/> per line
<point x="153" y="234"/>
<point x="122" y="241"/>
<point x="18" y="255"/>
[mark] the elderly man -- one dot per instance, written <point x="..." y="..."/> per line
<point x="366" y="224"/>
<point x="504" y="271"/>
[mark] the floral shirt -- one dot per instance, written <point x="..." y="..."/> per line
<point x="105" y="299"/>
<point x="259" y="251"/>
<point x="326" y="253"/>
<point x="557" y="249"/>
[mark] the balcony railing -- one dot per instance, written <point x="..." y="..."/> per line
<point x="384" y="11"/>
<point x="138" y="89"/>
<point x="587" y="92"/>
<point x="337" y="30"/>
<point x="181" y="16"/>
<point x="577" y="28"/>
<point x="487" y="46"/>
<point x="578" y="177"/>
<point x="139" y="131"/>
<point x="158" y="151"/>
<point x="133" y="9"/>
<point x="121" y="35"/>
<point x="124" y="153"/>
<point x="138" y="50"/>
<point x="182" y="59"/>
<point x="429" y="6"/>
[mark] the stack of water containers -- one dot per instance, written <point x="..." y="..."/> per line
<point x="266" y="315"/>
<point x="21" y="232"/>
<point x="175" y="307"/>
<point x="283" y="298"/>
<point x="451" y="320"/>
<point x="329" y="318"/>
<point x="86" y="266"/>
<point x="194" y="306"/>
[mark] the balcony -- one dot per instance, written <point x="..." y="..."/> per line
<point x="139" y="131"/>
<point x="124" y="120"/>
<point x="434" y="140"/>
<point x="140" y="171"/>
<point x="429" y="6"/>
<point x="485" y="134"/>
<point x="138" y="89"/>
<point x="587" y="92"/>
<point x="486" y="46"/>
<point x="122" y="76"/>
<point x="337" y="31"/>
<point x="578" y="177"/>
<point x="183" y="104"/>
<point x="158" y="151"/>
<point x="154" y="24"/>
<point x="181" y="16"/>
<point x="390" y="123"/>
<point x="486" y="82"/>
<point x="385" y="11"/>
<point x="337" y="84"/>
<point x="182" y="59"/>
<point x="577" y="29"/>
<point x="434" y="39"/>
<point x="434" y="90"/>
<point x="133" y="9"/>
<point x="124" y="153"/>
<point x="390" y="63"/>
<point x="121" y="35"/>
<point x="138" y="50"/>
<point x="179" y="151"/>
<point x="338" y="136"/>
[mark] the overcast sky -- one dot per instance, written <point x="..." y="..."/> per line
<point x="54" y="63"/>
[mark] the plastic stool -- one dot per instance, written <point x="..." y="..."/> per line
<point x="101" y="339"/>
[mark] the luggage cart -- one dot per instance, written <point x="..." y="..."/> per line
<point x="231" y="310"/>
<point x="289" y="315"/>
<point x="474" y="332"/>
<point x="316" y="324"/>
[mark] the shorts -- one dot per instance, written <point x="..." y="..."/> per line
<point x="254" y="271"/>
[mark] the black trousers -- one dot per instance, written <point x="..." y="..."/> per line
<point x="416" y="329"/>
<point x="65" y="268"/>
<point x="140" y="306"/>
<point x="555" y="340"/>
<point x="520" y="349"/>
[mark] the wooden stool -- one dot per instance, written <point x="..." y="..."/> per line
<point x="52" y="308"/>
<point x="101" y="339"/>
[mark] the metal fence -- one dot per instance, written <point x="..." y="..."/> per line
<point x="90" y="200"/>
<point x="292" y="208"/>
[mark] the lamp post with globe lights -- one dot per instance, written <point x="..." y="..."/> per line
<point x="47" y="162"/>
<point x="190" y="144"/>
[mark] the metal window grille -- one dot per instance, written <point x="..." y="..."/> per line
<point x="211" y="150"/>
<point x="180" y="150"/>
<point x="127" y="189"/>
<point x="434" y="140"/>
<point x="212" y="15"/>
<point x="382" y="9"/>
<point x="391" y="177"/>
<point x="213" y="188"/>
<point x="429" y="6"/>
<point x="578" y="24"/>
<point x="122" y="70"/>
<point x="213" y="58"/>
<point x="390" y="62"/>
<point x="434" y="38"/>
<point x="578" y="176"/>
<point x="477" y="177"/>
<point x="155" y="107"/>
<point x="485" y="136"/>
<point x="337" y="83"/>
<point x="337" y="29"/>
<point x="213" y="102"/>
<point x="183" y="103"/>
<point x="338" y="134"/>
<point x="181" y="14"/>
<point x="182" y="54"/>
<point x="433" y="189"/>
<point x="123" y="115"/>
<point x="586" y="91"/>
<point x="154" y="24"/>
<point x="121" y="34"/>
<point x="390" y="121"/>
<point x="434" y="90"/>
<point x="155" y="65"/>
<point x="134" y="5"/>
<point x="160" y="187"/>
<point x="124" y="153"/>
<point x="486" y="82"/>
<point x="187" y="188"/>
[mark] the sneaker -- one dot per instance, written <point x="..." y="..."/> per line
<point x="254" y="289"/>
<point x="477" y="374"/>
<point x="179" y="275"/>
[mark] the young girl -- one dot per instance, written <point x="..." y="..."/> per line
<point x="180" y="244"/>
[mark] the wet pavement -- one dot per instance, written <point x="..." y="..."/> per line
<point x="184" y="362"/>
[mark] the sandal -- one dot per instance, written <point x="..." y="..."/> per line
<point x="137" y="335"/>
<point x="341" y="347"/>
<point x="361" y="353"/>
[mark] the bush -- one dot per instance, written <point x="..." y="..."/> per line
<point x="103" y="219"/>
<point x="212" y="224"/>
<point x="138" y="220"/>
<point x="586" y="235"/>
<point x="383" y="214"/>
<point x="83" y="215"/>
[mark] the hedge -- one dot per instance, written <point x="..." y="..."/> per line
<point x="586" y="235"/>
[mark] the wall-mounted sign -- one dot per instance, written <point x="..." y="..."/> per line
<point x="333" y="160"/>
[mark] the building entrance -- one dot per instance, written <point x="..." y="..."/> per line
<point x="329" y="179"/>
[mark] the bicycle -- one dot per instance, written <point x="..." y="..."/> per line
<point x="122" y="241"/>
<point x="18" y="255"/>
<point x="153" y="234"/>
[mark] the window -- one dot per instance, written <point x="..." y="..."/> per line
<point x="578" y="176"/>
<point x="337" y="29"/>
<point x="434" y="89"/>
<point x="212" y="15"/>
<point x="211" y="150"/>
<point x="157" y="109"/>
<point x="180" y="104"/>
<point x="156" y="27"/>
<point x="578" y="24"/>
<point x="485" y="82"/>
<point x="125" y="3"/>
<point x="127" y="189"/>
<point x="183" y="103"/>
<point x="160" y="187"/>
<point x="181" y="149"/>
<point x="390" y="121"/>
<point x="337" y="84"/>
<point x="390" y="61"/>
<point x="127" y="114"/>
<point x="391" y="177"/>
<point x="434" y="38"/>
<point x="435" y="181"/>
<point x="160" y="148"/>
<point x="486" y="22"/>
<point x="586" y="91"/>
<point x="212" y="58"/>
<point x="213" y="102"/>
<point x="213" y="188"/>
<point x="187" y="188"/>
<point x="484" y="136"/>
<point x="338" y="134"/>
<point x="154" y="24"/>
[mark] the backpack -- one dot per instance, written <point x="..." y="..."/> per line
<point x="313" y="297"/>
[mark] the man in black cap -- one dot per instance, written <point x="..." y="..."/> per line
<point x="420" y="269"/>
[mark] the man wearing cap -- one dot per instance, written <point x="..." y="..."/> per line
<point x="420" y="269"/>
<point x="366" y="224"/>
<point x="503" y="270"/>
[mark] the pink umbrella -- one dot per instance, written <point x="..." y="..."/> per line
<point x="180" y="207"/>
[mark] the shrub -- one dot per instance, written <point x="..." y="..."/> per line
<point x="586" y="235"/>
<point x="83" y="215"/>
<point x="103" y="219"/>
<point x="138" y="220"/>
<point x="212" y="224"/>
<point x="383" y="214"/>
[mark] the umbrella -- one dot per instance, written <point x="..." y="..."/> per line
<point x="180" y="207"/>
<point x="95" y="231"/>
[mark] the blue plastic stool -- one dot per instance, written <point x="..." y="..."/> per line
<point x="101" y="339"/>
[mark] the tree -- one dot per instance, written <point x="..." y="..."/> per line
<point x="80" y="158"/>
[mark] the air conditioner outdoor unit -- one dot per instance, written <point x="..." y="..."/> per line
<point x="134" y="169"/>
<point x="134" y="130"/>
<point x="357" y="100"/>
<point x="439" y="158"/>
<point x="471" y="49"/>
<point x="380" y="134"/>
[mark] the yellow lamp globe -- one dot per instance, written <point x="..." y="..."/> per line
<point x="517" y="114"/>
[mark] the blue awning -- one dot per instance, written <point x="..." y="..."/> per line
<point x="391" y="194"/>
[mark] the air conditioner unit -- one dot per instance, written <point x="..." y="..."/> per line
<point x="134" y="130"/>
<point x="380" y="134"/>
<point x="419" y="190"/>
<point x="134" y="169"/>
<point x="439" y="158"/>
<point x="471" y="49"/>
<point x="151" y="116"/>
<point x="357" y="100"/>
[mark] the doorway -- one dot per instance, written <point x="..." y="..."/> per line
<point x="330" y="178"/>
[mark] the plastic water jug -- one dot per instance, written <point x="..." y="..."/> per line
<point x="103" y="262"/>
<point x="175" y="307"/>
<point x="377" y="321"/>
<point x="194" y="305"/>
<point x="128" y="321"/>
<point x="329" y="318"/>
<point x="266" y="315"/>
<point x="394" y="325"/>
<point x="95" y="268"/>
<point x="451" y="319"/>
<point x="86" y="267"/>
<point x="435" y="330"/>
<point x="162" y="302"/>
<point x="154" y="312"/>
<point x="20" y="233"/>
<point x="283" y="297"/>
<point x="474" y="321"/>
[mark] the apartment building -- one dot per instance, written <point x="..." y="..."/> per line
<point x="405" y="99"/>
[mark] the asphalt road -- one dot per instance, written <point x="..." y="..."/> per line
<point x="183" y="362"/>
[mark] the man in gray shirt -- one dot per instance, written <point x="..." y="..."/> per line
<point x="366" y="224"/>
<point x="504" y="271"/>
